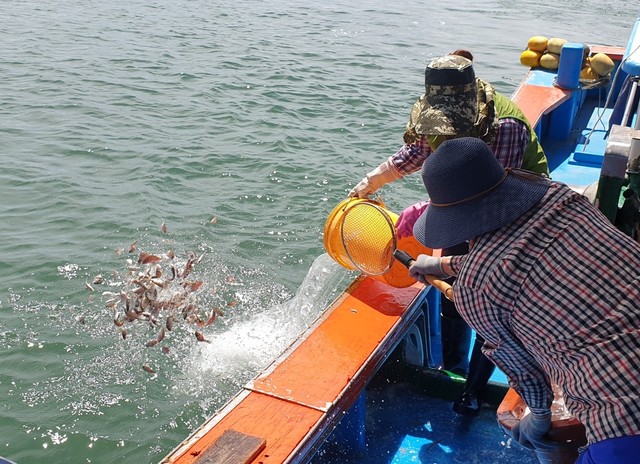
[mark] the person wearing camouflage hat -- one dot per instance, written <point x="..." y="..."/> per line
<point x="458" y="104"/>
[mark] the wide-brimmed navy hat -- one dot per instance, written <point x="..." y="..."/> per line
<point x="471" y="193"/>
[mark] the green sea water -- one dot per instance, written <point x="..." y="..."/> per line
<point x="239" y="125"/>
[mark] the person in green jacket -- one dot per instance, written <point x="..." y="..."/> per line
<point x="458" y="104"/>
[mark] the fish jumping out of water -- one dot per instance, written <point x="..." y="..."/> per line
<point x="157" y="289"/>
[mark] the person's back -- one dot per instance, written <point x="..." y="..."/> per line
<point x="551" y="285"/>
<point x="578" y="315"/>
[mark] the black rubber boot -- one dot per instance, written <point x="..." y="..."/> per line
<point x="455" y="335"/>
<point x="480" y="370"/>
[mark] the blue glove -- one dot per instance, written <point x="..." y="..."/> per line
<point x="530" y="431"/>
<point x="426" y="264"/>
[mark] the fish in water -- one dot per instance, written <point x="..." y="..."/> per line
<point x="155" y="290"/>
<point x="200" y="337"/>
<point x="148" y="369"/>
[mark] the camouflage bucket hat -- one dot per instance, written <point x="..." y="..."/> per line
<point x="449" y="104"/>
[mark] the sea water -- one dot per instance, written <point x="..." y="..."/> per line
<point x="239" y="125"/>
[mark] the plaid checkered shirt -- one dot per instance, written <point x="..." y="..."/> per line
<point x="509" y="147"/>
<point x="556" y="295"/>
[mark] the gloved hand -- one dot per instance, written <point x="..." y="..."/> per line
<point x="408" y="217"/>
<point x="530" y="431"/>
<point x="425" y="264"/>
<point x="375" y="179"/>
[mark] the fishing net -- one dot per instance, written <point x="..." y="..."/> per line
<point x="368" y="237"/>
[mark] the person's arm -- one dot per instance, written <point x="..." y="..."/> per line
<point x="528" y="379"/>
<point x="443" y="268"/>
<point x="453" y="264"/>
<point x="504" y="348"/>
<point x="511" y="142"/>
<point x="411" y="156"/>
<point x="382" y="175"/>
<point x="408" y="217"/>
<point x="408" y="159"/>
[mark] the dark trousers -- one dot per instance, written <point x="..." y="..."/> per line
<point x="456" y="337"/>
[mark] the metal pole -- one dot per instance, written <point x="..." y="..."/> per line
<point x="627" y="109"/>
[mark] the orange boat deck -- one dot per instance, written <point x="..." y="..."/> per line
<point x="283" y="415"/>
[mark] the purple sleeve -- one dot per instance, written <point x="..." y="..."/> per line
<point x="511" y="142"/>
<point x="410" y="157"/>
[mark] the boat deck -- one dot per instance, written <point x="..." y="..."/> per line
<point x="412" y="422"/>
<point x="549" y="108"/>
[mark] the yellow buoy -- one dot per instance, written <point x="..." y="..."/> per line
<point x="550" y="61"/>
<point x="588" y="74"/>
<point x="554" y="45"/>
<point x="530" y="58"/>
<point x="601" y="64"/>
<point x="537" y="43"/>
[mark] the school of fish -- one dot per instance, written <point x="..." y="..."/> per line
<point x="159" y="290"/>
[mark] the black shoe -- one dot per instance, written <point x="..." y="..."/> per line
<point x="467" y="405"/>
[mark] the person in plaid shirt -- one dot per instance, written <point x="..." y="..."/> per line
<point x="552" y="287"/>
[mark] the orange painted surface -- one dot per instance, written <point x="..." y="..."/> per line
<point x="615" y="53"/>
<point x="281" y="423"/>
<point x="294" y="401"/>
<point x="536" y="100"/>
<point x="326" y="361"/>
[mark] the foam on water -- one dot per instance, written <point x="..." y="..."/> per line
<point x="246" y="346"/>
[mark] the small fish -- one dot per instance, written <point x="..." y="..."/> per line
<point x="97" y="280"/>
<point x="165" y="349"/>
<point x="80" y="320"/>
<point x="200" y="337"/>
<point x="214" y="220"/>
<point x="192" y="286"/>
<point x="124" y="334"/>
<point x="169" y="323"/>
<point x="163" y="228"/>
<point x="161" y="335"/>
<point x="148" y="369"/>
<point x="212" y="318"/>
<point x="152" y="342"/>
<point x="89" y="287"/>
<point x="132" y="247"/>
<point x="232" y="303"/>
<point x="146" y="258"/>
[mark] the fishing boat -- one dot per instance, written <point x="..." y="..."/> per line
<point x="363" y="385"/>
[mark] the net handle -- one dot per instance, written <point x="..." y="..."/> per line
<point x="439" y="284"/>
